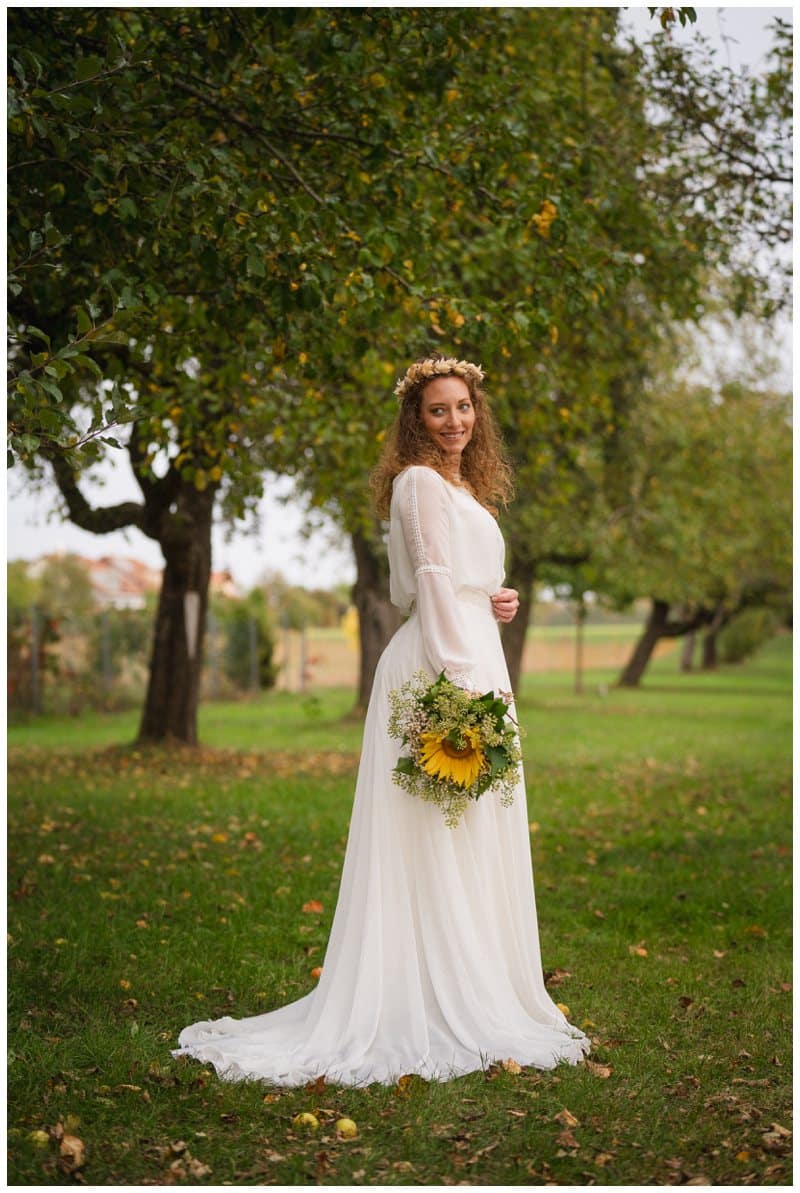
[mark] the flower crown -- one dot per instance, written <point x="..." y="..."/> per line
<point x="436" y="366"/>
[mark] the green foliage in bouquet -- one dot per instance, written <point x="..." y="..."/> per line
<point x="460" y="745"/>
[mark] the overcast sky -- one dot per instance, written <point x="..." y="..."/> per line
<point x="34" y="527"/>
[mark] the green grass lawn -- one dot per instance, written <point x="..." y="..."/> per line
<point x="151" y="888"/>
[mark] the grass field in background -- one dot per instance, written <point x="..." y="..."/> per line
<point x="153" y="887"/>
<point x="319" y="715"/>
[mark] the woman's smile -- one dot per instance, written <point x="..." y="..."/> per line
<point x="448" y="414"/>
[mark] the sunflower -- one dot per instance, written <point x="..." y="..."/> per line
<point x="440" y="758"/>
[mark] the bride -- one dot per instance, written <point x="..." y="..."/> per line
<point x="433" y="963"/>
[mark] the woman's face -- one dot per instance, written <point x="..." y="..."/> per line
<point x="448" y="414"/>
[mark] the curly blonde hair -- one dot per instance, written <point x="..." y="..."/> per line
<point x="483" y="462"/>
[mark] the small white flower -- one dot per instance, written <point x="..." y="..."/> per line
<point x="437" y="367"/>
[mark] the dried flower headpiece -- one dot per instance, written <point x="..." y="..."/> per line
<point x="436" y="366"/>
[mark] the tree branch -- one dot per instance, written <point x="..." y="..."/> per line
<point x="96" y="521"/>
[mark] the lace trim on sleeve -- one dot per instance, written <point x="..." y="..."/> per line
<point x="438" y="568"/>
<point x="416" y="529"/>
<point x="462" y="679"/>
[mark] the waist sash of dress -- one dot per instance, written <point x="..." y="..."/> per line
<point x="472" y="596"/>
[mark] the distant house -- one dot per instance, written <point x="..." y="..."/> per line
<point x="223" y="584"/>
<point x="120" y="582"/>
<point x="117" y="582"/>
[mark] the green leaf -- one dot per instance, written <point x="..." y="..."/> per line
<point x="84" y="322"/>
<point x="36" y="331"/>
<point x="86" y="68"/>
<point x="255" y="267"/>
<point x="127" y="208"/>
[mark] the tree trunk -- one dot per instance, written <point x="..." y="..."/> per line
<point x="642" y="652"/>
<point x="377" y="616"/>
<point x="173" y="690"/>
<point x="720" y="618"/>
<point x="687" y="654"/>
<point x="521" y="576"/>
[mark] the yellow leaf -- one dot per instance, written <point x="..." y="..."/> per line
<point x="563" y="1008"/>
<point x="511" y="1066"/>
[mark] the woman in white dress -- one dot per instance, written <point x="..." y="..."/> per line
<point x="433" y="963"/>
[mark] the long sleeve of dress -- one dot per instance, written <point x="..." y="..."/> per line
<point x="425" y="519"/>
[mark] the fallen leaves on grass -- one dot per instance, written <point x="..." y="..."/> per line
<point x="185" y="1165"/>
<point x="777" y="1139"/>
<point x="566" y="1118"/>
<point x="555" y="977"/>
<point x="597" y="1070"/>
<point x="312" y="907"/>
<point x="72" y="1152"/>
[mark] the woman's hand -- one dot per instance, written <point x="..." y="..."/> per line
<point x="505" y="603"/>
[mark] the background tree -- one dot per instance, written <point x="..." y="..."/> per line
<point x="706" y="529"/>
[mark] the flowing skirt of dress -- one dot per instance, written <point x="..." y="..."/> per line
<point x="433" y="963"/>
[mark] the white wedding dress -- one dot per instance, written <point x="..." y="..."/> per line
<point x="433" y="962"/>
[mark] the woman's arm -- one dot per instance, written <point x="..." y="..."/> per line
<point x="424" y="509"/>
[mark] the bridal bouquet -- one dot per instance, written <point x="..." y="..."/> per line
<point x="459" y="745"/>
